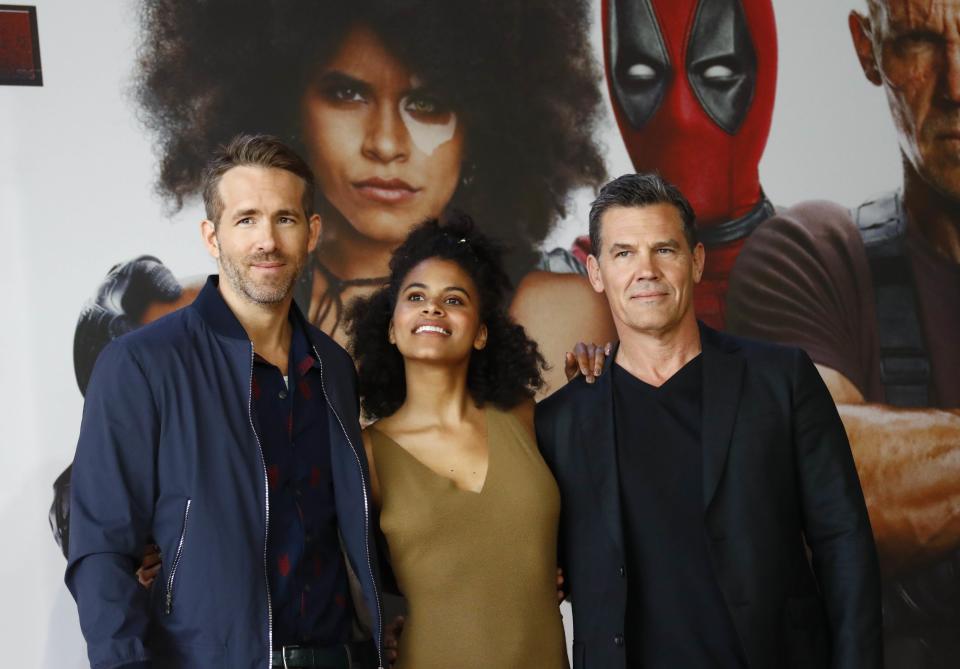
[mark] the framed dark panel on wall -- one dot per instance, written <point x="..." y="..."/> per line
<point x="19" y="46"/>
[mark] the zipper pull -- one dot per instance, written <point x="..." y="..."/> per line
<point x="168" y="606"/>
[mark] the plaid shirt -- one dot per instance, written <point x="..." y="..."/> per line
<point x="305" y="566"/>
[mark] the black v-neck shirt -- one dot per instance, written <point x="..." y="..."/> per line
<point x="676" y="615"/>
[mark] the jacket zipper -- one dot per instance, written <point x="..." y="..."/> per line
<point x="168" y="600"/>
<point x="266" y="497"/>
<point x="366" y="509"/>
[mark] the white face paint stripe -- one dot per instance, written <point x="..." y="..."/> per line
<point x="427" y="137"/>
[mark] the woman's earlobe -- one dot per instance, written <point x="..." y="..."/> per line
<point x="481" y="341"/>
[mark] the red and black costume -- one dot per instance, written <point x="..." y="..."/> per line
<point x="692" y="84"/>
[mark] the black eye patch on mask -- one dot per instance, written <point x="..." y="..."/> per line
<point x="640" y="67"/>
<point x="722" y="63"/>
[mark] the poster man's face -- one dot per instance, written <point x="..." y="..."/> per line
<point x="646" y="267"/>
<point x="386" y="152"/>
<point x="263" y="237"/>
<point x="912" y="49"/>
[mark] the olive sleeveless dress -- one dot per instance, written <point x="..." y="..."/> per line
<point x="478" y="569"/>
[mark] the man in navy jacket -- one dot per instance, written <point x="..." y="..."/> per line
<point x="227" y="433"/>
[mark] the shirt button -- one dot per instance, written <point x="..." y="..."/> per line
<point x="282" y="394"/>
<point x="622" y="571"/>
<point x="306" y="588"/>
<point x="618" y="640"/>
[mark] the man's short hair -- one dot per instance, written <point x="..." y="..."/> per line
<point x="640" y="190"/>
<point x="258" y="151"/>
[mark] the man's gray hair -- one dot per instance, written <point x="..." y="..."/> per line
<point x="640" y="190"/>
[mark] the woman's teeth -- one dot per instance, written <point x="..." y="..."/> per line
<point x="431" y="328"/>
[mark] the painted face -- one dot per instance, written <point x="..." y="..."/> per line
<point x="263" y="237"/>
<point x="692" y="84"/>
<point x="646" y="267"/>
<point x="437" y="315"/>
<point x="386" y="151"/>
<point x="918" y="47"/>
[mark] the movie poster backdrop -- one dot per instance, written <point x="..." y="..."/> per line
<point x="785" y="141"/>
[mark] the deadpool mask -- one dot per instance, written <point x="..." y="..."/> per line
<point x="692" y="84"/>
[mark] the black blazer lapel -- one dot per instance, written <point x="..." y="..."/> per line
<point x="722" y="380"/>
<point x="598" y="436"/>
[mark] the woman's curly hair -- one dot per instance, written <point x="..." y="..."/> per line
<point x="520" y="75"/>
<point x="505" y="372"/>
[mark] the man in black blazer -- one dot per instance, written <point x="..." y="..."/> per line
<point x="712" y="515"/>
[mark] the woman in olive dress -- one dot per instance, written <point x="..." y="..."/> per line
<point x="468" y="507"/>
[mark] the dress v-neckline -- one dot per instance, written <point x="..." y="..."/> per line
<point x="450" y="482"/>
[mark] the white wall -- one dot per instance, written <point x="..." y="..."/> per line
<point x="76" y="196"/>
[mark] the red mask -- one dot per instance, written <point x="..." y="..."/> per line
<point x="692" y="84"/>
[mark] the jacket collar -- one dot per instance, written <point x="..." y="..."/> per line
<point x="600" y="425"/>
<point x="217" y="314"/>
<point x="722" y="380"/>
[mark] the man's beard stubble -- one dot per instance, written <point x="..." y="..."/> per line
<point x="265" y="292"/>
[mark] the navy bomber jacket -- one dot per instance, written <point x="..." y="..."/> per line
<point x="167" y="451"/>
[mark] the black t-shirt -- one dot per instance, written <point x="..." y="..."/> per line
<point x="676" y="616"/>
